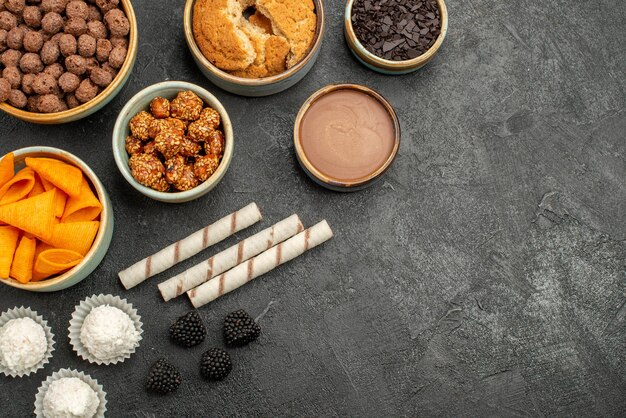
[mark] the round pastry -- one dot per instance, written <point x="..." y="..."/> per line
<point x="70" y="397"/>
<point x="23" y="344"/>
<point x="108" y="333"/>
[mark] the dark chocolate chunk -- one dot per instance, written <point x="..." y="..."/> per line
<point x="396" y="30"/>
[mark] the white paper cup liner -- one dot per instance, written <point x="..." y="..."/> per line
<point x="23" y="312"/>
<point x="81" y="312"/>
<point x="93" y="383"/>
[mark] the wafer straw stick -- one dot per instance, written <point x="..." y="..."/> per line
<point x="190" y="246"/>
<point x="231" y="257"/>
<point x="261" y="264"/>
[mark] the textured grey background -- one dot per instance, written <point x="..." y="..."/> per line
<point x="483" y="277"/>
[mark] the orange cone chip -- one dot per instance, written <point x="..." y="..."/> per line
<point x="64" y="176"/>
<point x="85" y="207"/>
<point x="60" y="198"/>
<point x="7" y="168"/>
<point x="74" y="236"/>
<point x="22" y="267"/>
<point x="34" y="215"/>
<point x="54" y="261"/>
<point x="8" y="244"/>
<point x="18" y="187"/>
<point x="37" y="187"/>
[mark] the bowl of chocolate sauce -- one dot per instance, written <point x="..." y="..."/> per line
<point x="346" y="136"/>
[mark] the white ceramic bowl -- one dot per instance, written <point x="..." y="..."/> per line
<point x="141" y="101"/>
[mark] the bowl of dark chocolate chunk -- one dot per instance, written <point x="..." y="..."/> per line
<point x="395" y="36"/>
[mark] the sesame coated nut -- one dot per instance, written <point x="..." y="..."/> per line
<point x="205" y="166"/>
<point x="15" y="38"/>
<point x="212" y="117"/>
<point x="57" y="6"/>
<point x="117" y="23"/>
<point x="86" y="45"/>
<point x="168" y="143"/>
<point x="146" y="169"/>
<point x="69" y="82"/>
<point x="50" y="52"/>
<point x="155" y="127"/>
<point x="52" y="23"/>
<point x="188" y="180"/>
<point x="97" y="29"/>
<point x="160" y="107"/>
<point x="140" y="125"/>
<point x="161" y="185"/>
<point x="133" y="145"/>
<point x="13" y="75"/>
<point x="117" y="57"/>
<point x="33" y="41"/>
<point x="150" y="148"/>
<point x="8" y="20"/>
<point x="32" y="16"/>
<point x="189" y="148"/>
<point x="199" y="130"/>
<point x="174" y="168"/>
<point x="50" y="103"/>
<point x="86" y="91"/>
<point x="17" y="99"/>
<point x="77" y="8"/>
<point x="187" y="106"/>
<point x="100" y="77"/>
<point x="76" y="64"/>
<point x="5" y="90"/>
<point x="30" y="63"/>
<point x="27" y="83"/>
<point x="215" y="143"/>
<point x="176" y="125"/>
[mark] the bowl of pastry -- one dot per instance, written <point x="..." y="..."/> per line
<point x="173" y="142"/>
<point x="63" y="61"/>
<point x="56" y="219"/>
<point x="254" y="47"/>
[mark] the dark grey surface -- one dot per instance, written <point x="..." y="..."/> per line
<point x="483" y="277"/>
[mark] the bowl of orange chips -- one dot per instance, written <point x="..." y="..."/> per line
<point x="56" y="219"/>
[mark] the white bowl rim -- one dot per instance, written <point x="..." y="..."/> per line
<point x="196" y="192"/>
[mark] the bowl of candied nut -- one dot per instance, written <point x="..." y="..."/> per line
<point x="173" y="142"/>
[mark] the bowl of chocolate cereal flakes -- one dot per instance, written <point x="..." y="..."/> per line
<point x="395" y="36"/>
<point x="173" y="142"/>
<point x="254" y="47"/>
<point x="64" y="60"/>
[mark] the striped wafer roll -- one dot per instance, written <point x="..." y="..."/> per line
<point x="231" y="257"/>
<point x="190" y="246"/>
<point x="261" y="264"/>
